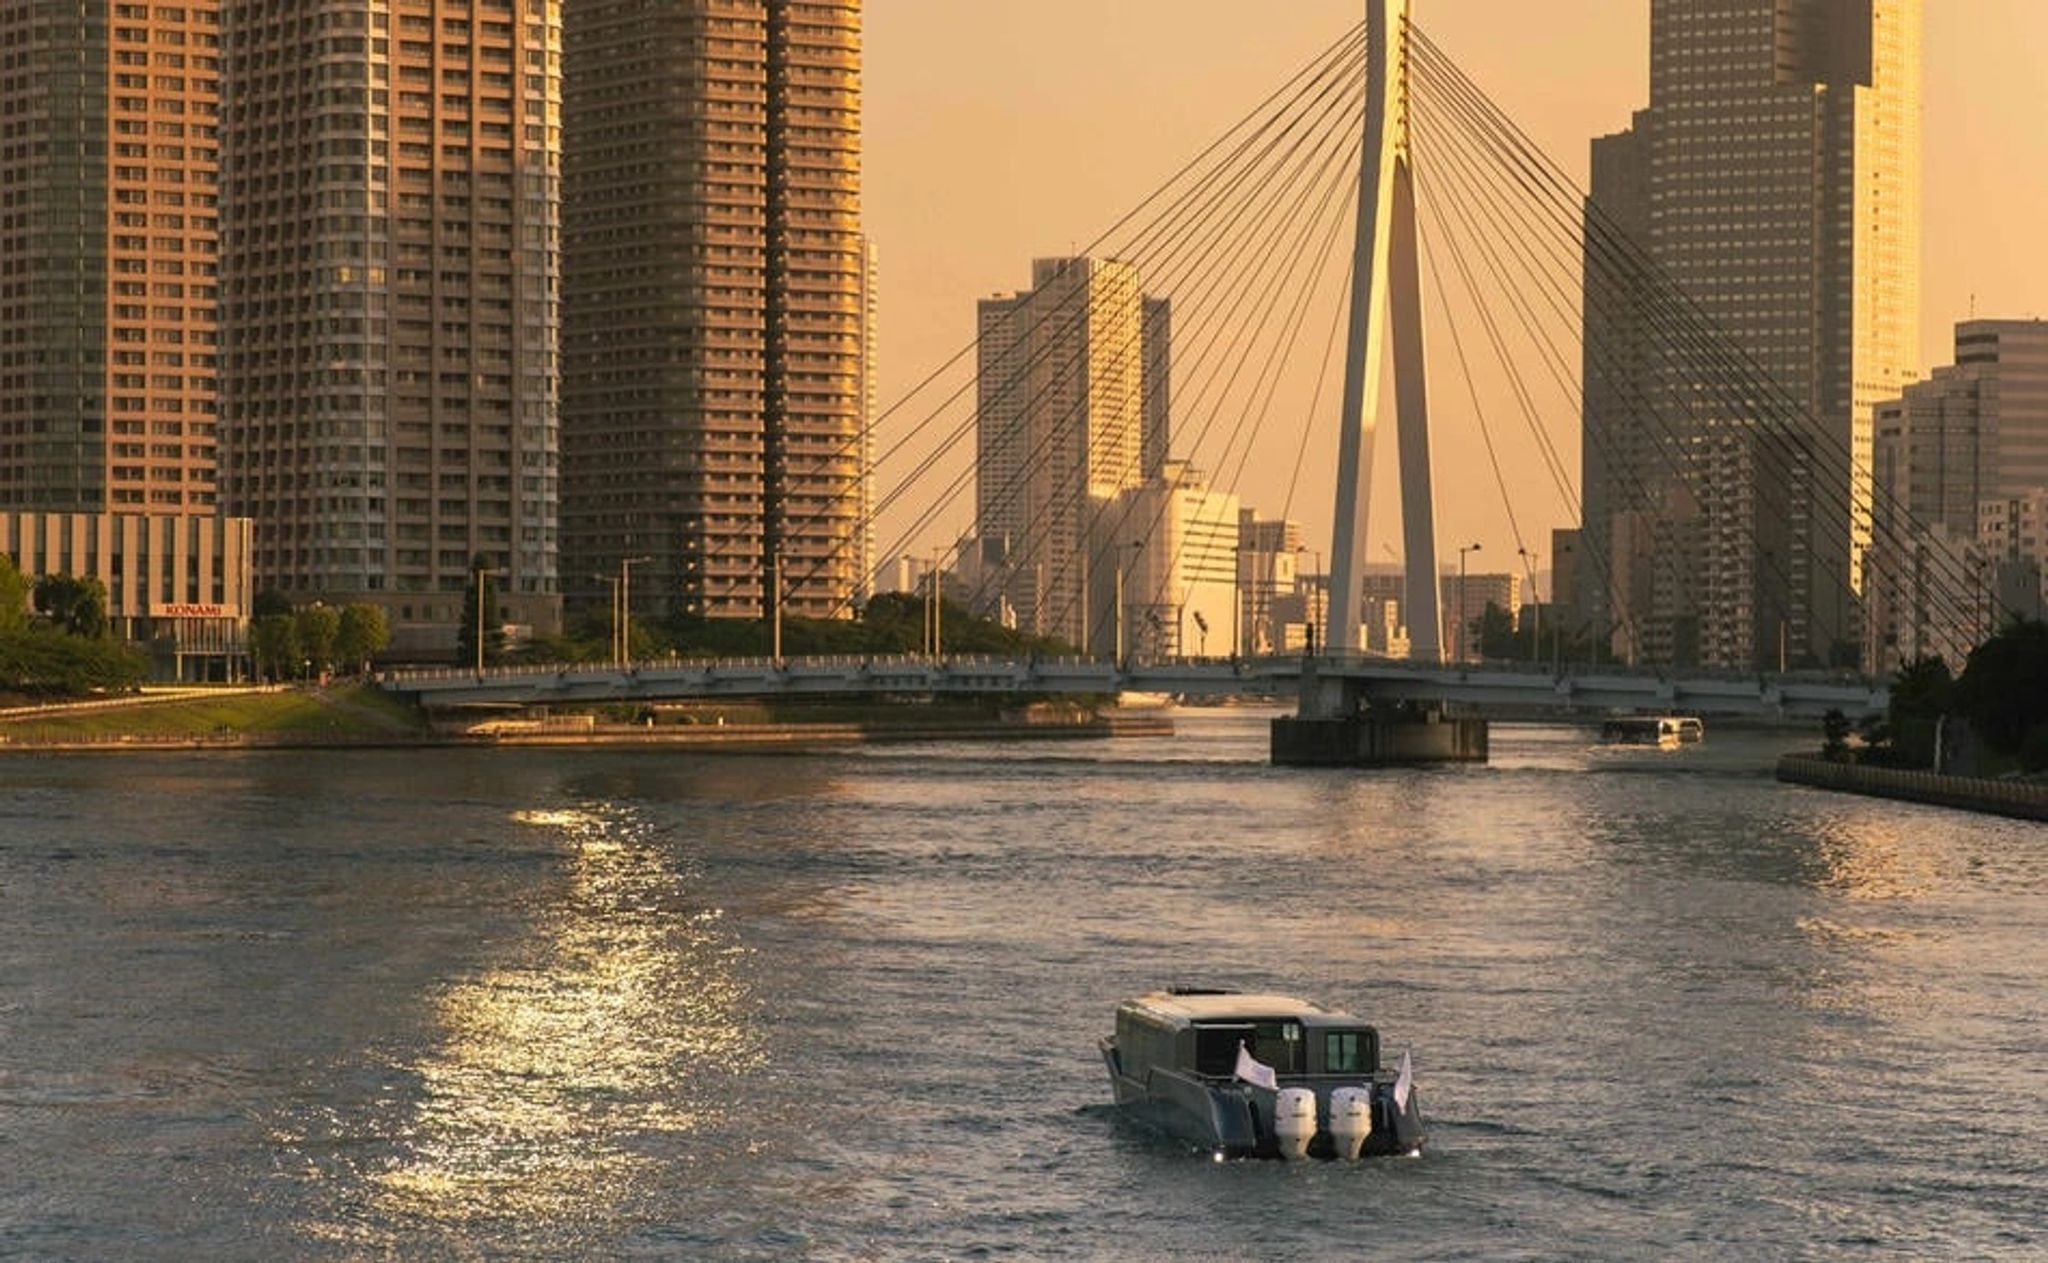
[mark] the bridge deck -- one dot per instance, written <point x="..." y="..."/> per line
<point x="1525" y="687"/>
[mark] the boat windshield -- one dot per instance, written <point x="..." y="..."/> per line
<point x="1350" y="1052"/>
<point x="1277" y="1043"/>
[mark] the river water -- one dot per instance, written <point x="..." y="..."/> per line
<point x="668" y="1005"/>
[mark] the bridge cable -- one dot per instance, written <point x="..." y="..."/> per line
<point x="1195" y="181"/>
<point x="1081" y="312"/>
<point x="1724" y="358"/>
<point x="1659" y="318"/>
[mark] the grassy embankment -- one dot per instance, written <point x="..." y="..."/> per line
<point x="342" y="713"/>
<point x="359" y="713"/>
<point x="941" y="712"/>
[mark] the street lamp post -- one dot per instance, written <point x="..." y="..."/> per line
<point x="1116" y="651"/>
<point x="1117" y="564"/>
<point x="481" y="573"/>
<point x="1530" y="561"/>
<point x="625" y="621"/>
<point x="1556" y="631"/>
<point x="1469" y="548"/>
<point x="934" y="609"/>
<point x="775" y="603"/>
<point x="1316" y="596"/>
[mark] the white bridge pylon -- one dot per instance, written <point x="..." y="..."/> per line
<point x="1386" y="300"/>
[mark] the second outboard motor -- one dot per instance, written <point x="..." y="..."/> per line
<point x="1294" y="1121"/>
<point x="1350" y="1120"/>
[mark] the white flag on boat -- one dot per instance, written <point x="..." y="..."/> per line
<point x="1252" y="1070"/>
<point x="1404" y="1083"/>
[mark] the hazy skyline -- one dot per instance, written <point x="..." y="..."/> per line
<point x="996" y="133"/>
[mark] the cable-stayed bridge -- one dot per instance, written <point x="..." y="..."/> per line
<point x="1521" y="688"/>
<point x="1463" y="234"/>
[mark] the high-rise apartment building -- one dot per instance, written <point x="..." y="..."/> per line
<point x="715" y="290"/>
<point x="1775" y="179"/>
<point x="1061" y="393"/>
<point x="390" y="201"/>
<point x="109" y="342"/>
<point x="109" y="239"/>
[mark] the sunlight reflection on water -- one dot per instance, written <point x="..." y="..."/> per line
<point x="551" y="1073"/>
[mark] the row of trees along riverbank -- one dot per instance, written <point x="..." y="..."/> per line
<point x="55" y="638"/>
<point x="891" y="623"/>
<point x="313" y="640"/>
<point x="1991" y="720"/>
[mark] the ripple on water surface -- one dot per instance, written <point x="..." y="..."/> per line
<point x="659" y="1004"/>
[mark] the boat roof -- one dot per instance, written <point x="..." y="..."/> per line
<point x="1212" y="1006"/>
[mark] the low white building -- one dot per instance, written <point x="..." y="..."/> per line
<point x="1171" y="549"/>
<point x="177" y="585"/>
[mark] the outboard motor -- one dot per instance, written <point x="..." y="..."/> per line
<point x="1294" y="1121"/>
<point x="1350" y="1120"/>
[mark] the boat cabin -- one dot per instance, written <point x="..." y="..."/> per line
<point x="1652" y="730"/>
<point x="1199" y="1033"/>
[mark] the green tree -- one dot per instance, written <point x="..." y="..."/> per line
<point x="1922" y="692"/>
<point x="2003" y="691"/>
<point x="1835" y="728"/>
<point x="362" y="636"/>
<point x="1496" y="631"/>
<point x="318" y="626"/>
<point x="74" y="605"/>
<point x="13" y="597"/>
<point x="45" y="660"/>
<point x="268" y="602"/>
<point x="274" y="644"/>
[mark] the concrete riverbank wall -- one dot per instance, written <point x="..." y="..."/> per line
<point x="2022" y="800"/>
<point x="705" y="737"/>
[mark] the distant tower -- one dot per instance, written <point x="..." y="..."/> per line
<point x="713" y="304"/>
<point x="388" y="307"/>
<point x="1775" y="177"/>
<point x="1060" y="425"/>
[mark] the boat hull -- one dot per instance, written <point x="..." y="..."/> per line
<point x="1235" y="1119"/>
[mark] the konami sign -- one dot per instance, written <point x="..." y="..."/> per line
<point x="193" y="609"/>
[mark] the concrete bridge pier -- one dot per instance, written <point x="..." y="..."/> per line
<point x="1336" y="727"/>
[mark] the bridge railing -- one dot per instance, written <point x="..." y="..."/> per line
<point x="1266" y="664"/>
<point x="866" y="662"/>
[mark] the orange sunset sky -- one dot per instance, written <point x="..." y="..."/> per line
<point x="999" y="130"/>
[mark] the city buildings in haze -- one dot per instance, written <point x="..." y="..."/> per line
<point x="1268" y="559"/>
<point x="1062" y="389"/>
<point x="1958" y="459"/>
<point x="1775" y="178"/>
<point x="2013" y="532"/>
